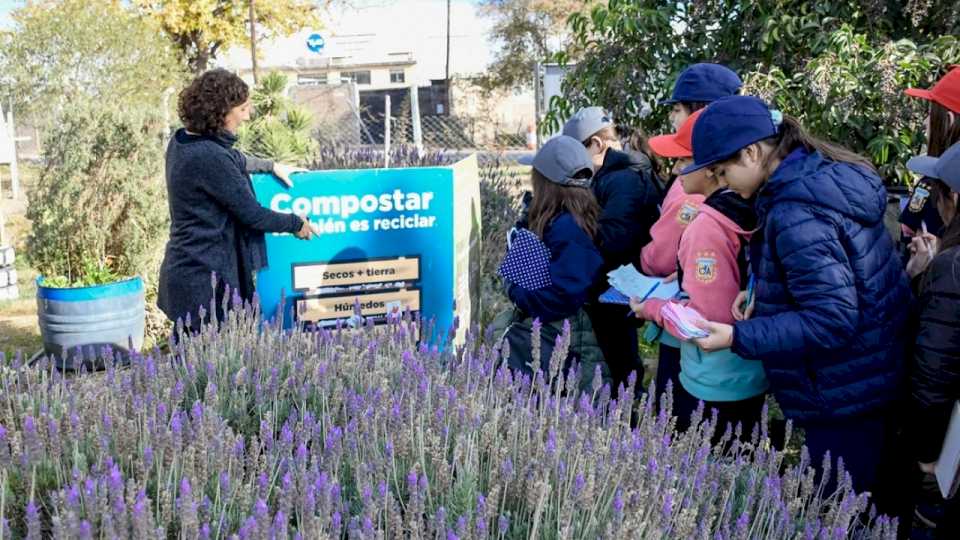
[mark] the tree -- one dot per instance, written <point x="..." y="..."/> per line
<point x="527" y="32"/>
<point x="202" y="28"/>
<point x="839" y="66"/>
<point x="97" y="209"/>
<point x="62" y="51"/>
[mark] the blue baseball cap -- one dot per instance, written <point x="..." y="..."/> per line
<point x="729" y="124"/>
<point x="704" y="82"/>
<point x="563" y="160"/>
<point x="945" y="168"/>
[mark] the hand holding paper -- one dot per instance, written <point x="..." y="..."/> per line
<point x="720" y="336"/>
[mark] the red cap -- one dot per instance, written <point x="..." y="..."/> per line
<point x="679" y="144"/>
<point x="946" y="92"/>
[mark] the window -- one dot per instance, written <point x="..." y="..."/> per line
<point x="359" y="77"/>
<point x="397" y="76"/>
<point x="311" y="80"/>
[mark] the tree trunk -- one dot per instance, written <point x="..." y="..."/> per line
<point x="199" y="60"/>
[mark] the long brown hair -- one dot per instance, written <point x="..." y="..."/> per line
<point x="943" y="133"/>
<point x="639" y="142"/>
<point x="940" y="196"/>
<point x="551" y="199"/>
<point x="792" y="135"/>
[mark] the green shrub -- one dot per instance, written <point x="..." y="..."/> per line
<point x="278" y="130"/>
<point x="97" y="209"/>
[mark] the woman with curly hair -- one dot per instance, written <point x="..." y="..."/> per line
<point x="216" y="224"/>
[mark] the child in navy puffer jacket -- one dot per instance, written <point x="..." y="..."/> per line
<point x="831" y="295"/>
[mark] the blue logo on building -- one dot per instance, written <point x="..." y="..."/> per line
<point x="315" y="43"/>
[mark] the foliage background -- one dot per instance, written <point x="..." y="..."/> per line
<point x="61" y="52"/>
<point x="278" y="129"/>
<point x="840" y="67"/>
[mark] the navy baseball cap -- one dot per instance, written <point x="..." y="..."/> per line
<point x="729" y="124"/>
<point x="704" y="82"/>
<point x="563" y="160"/>
<point x="945" y="168"/>
<point x="587" y="121"/>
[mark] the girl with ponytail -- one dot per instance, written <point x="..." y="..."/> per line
<point x="831" y="296"/>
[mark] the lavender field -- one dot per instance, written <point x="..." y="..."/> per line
<point x="255" y="433"/>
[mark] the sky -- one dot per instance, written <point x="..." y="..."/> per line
<point x="6" y="6"/>
<point x="418" y="26"/>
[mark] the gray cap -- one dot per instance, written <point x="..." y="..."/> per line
<point x="945" y="168"/>
<point x="586" y="122"/>
<point x="562" y="160"/>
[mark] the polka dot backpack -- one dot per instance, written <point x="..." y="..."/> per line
<point x="527" y="261"/>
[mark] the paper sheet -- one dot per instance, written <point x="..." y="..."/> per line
<point x="684" y="319"/>
<point x="633" y="284"/>
<point x="948" y="466"/>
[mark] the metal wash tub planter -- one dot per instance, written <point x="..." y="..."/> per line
<point x="90" y="318"/>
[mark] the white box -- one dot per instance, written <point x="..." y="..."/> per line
<point x="6" y="255"/>
<point x="8" y="276"/>
<point x="11" y="292"/>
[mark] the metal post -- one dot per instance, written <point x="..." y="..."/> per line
<point x="253" y="42"/>
<point x="537" y="98"/>
<point x="386" y="131"/>
<point x="415" y="119"/>
<point x="14" y="171"/>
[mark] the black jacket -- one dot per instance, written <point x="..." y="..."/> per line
<point x="628" y="201"/>
<point x="216" y="224"/>
<point x="935" y="376"/>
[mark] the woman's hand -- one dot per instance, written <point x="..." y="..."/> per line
<point x="284" y="171"/>
<point x="721" y="337"/>
<point x="929" y="468"/>
<point x="306" y="231"/>
<point x="740" y="311"/>
<point x="923" y="248"/>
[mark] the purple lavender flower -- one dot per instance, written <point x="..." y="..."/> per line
<point x="667" y="507"/>
<point x="196" y="412"/>
<point x="336" y="521"/>
<point x="742" y="523"/>
<point x="33" y="521"/>
<point x="578" y="484"/>
<point x="85" y="531"/>
<point x="618" y="503"/>
<point x="412" y="481"/>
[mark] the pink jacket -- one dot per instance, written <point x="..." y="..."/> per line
<point x="711" y="275"/>
<point x="659" y="257"/>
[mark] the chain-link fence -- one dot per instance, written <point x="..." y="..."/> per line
<point x="344" y="116"/>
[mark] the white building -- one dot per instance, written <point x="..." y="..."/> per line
<point x="377" y="44"/>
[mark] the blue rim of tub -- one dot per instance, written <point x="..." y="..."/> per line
<point x="125" y="287"/>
